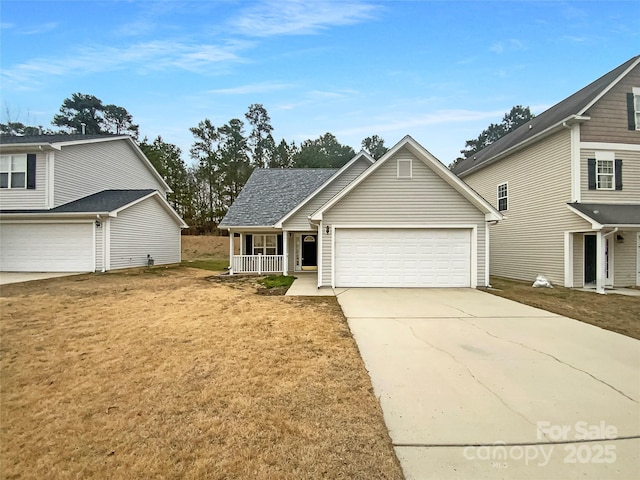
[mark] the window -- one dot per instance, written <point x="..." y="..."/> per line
<point x="502" y="197"/>
<point x="633" y="108"/>
<point x="265" y="245"/>
<point x="404" y="168"/>
<point x="604" y="174"/>
<point x="13" y="171"/>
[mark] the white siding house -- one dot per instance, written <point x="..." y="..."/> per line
<point x="402" y="221"/>
<point x="86" y="203"/>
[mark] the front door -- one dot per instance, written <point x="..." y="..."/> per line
<point x="590" y="260"/>
<point x="309" y="252"/>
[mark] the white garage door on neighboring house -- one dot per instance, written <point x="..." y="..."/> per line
<point x="51" y="247"/>
<point x="402" y="257"/>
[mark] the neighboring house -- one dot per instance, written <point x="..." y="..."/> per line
<point x="403" y="221"/>
<point x="82" y="203"/>
<point x="568" y="184"/>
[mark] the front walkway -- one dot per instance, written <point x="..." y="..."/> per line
<point x="306" y="285"/>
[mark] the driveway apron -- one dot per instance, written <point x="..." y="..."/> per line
<point x="477" y="386"/>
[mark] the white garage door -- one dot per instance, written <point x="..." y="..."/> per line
<point x="403" y="258"/>
<point x="60" y="247"/>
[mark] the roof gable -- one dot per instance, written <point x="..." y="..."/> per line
<point x="570" y="110"/>
<point x="271" y="193"/>
<point x="432" y="163"/>
<point x="362" y="156"/>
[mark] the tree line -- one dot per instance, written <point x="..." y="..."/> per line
<point x="224" y="156"/>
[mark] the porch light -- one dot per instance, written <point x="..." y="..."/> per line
<point x="327" y="229"/>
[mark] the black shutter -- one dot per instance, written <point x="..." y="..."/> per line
<point x="618" y="174"/>
<point x="279" y="249"/>
<point x="631" y="112"/>
<point x="31" y="171"/>
<point x="248" y="244"/>
<point x="591" y="173"/>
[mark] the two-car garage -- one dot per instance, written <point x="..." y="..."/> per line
<point x="47" y="247"/>
<point x="406" y="257"/>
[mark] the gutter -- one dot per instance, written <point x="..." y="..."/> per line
<point x="566" y="123"/>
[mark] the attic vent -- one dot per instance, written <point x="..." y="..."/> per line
<point x="404" y="168"/>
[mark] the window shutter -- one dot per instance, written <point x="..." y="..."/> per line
<point x="631" y="112"/>
<point x="591" y="173"/>
<point x="31" y="171"/>
<point x="248" y="244"/>
<point x="279" y="249"/>
<point x="618" y="170"/>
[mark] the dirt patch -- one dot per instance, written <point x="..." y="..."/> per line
<point x="206" y="247"/>
<point x="162" y="373"/>
<point x="618" y="313"/>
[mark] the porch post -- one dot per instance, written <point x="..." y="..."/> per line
<point x="600" y="262"/>
<point x="231" y="251"/>
<point x="285" y="252"/>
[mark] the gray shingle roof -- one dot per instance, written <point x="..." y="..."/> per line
<point x="105" y="201"/>
<point x="36" y="139"/>
<point x="270" y="194"/>
<point x="572" y="105"/>
<point x="608" y="214"/>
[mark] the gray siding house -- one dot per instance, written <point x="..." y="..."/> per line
<point x="402" y="221"/>
<point x="82" y="203"/>
<point x="568" y="184"/>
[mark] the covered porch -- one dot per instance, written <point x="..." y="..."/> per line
<point x="273" y="251"/>
<point x="608" y="255"/>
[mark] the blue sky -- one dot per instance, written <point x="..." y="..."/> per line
<point x="440" y="71"/>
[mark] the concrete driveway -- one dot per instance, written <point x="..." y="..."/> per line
<point x="477" y="386"/>
<point x="19" y="277"/>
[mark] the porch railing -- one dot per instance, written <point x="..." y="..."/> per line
<point x="257" y="263"/>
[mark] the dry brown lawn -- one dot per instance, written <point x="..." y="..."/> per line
<point x="206" y="247"/>
<point x="162" y="373"/>
<point x="618" y="313"/>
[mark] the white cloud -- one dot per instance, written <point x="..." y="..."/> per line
<point x="299" y="17"/>
<point x="263" y="87"/>
<point x="155" y="55"/>
<point x="508" y="45"/>
<point x="39" y="29"/>
<point x="404" y="122"/>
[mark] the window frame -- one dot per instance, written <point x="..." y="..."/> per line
<point x="611" y="176"/>
<point x="9" y="171"/>
<point x="404" y="161"/>
<point x="503" y="196"/>
<point x="261" y="246"/>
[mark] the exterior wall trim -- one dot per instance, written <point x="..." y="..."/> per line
<point x="568" y="260"/>
<point x="575" y="163"/>
<point x="618" y="147"/>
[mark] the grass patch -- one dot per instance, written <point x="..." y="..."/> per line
<point x="215" y="265"/>
<point x="276" y="281"/>
<point x="618" y="313"/>
<point x="173" y="376"/>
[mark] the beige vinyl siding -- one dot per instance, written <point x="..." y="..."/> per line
<point x="624" y="259"/>
<point x="578" y="260"/>
<point x="609" y="115"/>
<point x="144" y="228"/>
<point x="530" y="240"/>
<point x="22" y="198"/>
<point x="630" y="192"/>
<point x="300" y="220"/>
<point x="383" y="199"/>
<point x="82" y="170"/>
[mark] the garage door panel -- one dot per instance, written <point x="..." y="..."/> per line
<point x="402" y="257"/>
<point x="64" y="247"/>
